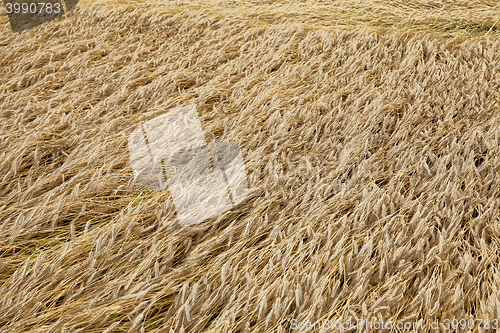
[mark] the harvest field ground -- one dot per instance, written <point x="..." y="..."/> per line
<point x="370" y="135"/>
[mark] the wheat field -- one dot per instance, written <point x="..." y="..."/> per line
<point x="370" y="142"/>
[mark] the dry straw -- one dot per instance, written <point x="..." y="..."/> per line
<point x="372" y="159"/>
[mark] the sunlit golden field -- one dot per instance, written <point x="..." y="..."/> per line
<point x="370" y="133"/>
